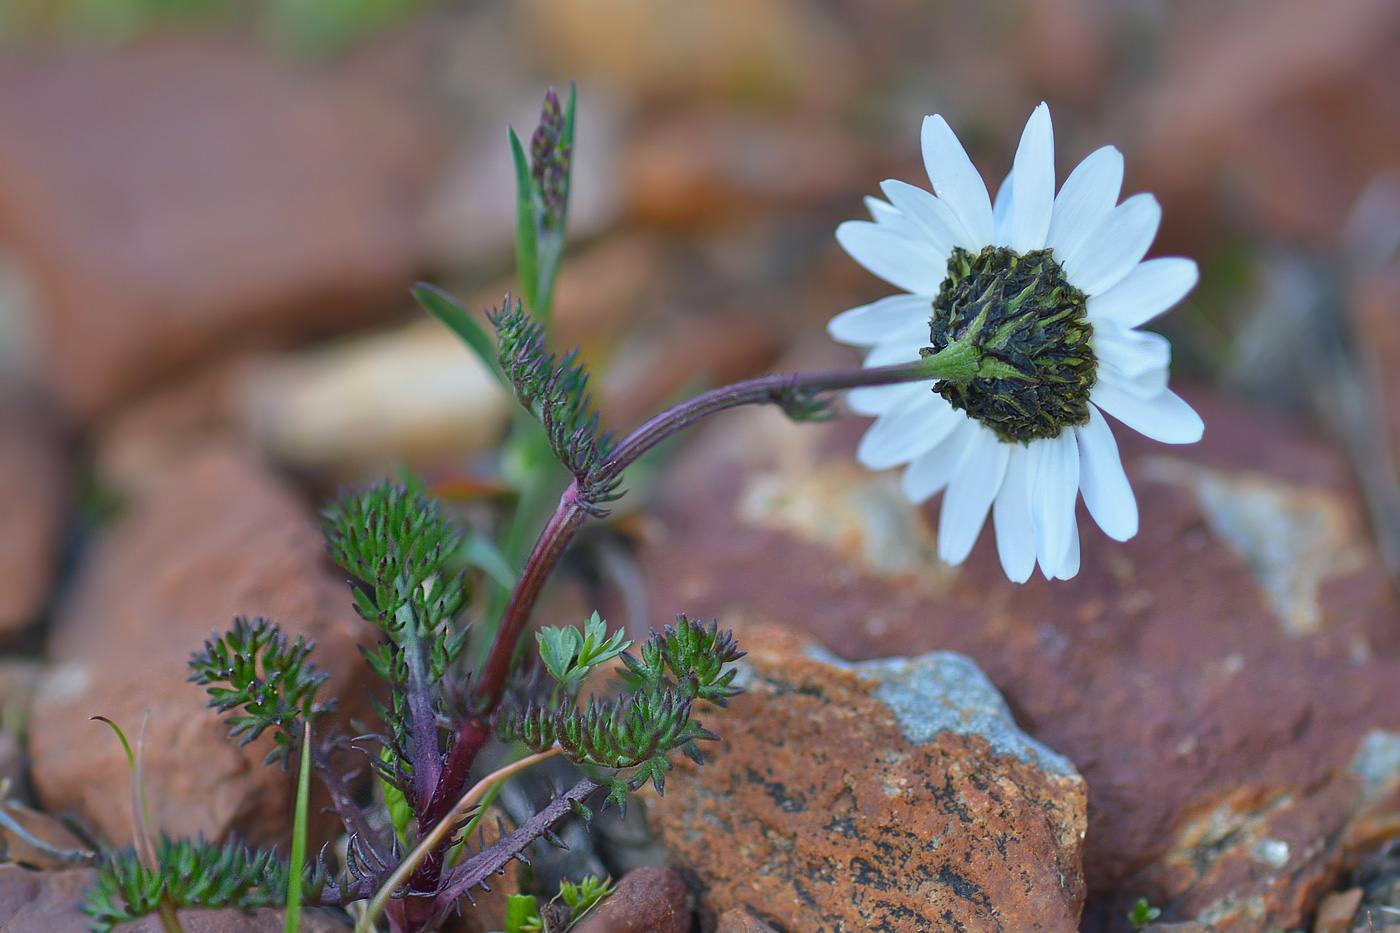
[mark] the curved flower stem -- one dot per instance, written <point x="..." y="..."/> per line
<point x="438" y="835"/>
<point x="767" y="389"/>
<point x="952" y="363"/>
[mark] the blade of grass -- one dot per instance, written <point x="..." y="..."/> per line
<point x="298" y="858"/>
<point x="446" y="309"/>
<point x="526" y="249"/>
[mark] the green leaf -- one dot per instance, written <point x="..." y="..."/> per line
<point x="446" y="309"/>
<point x="395" y="801"/>
<point x="298" y="859"/>
<point x="520" y="909"/>
<point x="481" y="552"/>
<point x="569" y="655"/>
<point x="526" y="248"/>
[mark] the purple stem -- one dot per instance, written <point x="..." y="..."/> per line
<point x="494" y="858"/>
<point x="571" y="512"/>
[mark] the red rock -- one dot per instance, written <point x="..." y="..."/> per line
<point x="218" y="536"/>
<point x="180" y="197"/>
<point x="1224" y="681"/>
<point x="1268" y="96"/>
<point x="646" y="900"/>
<point x="892" y="795"/>
<point x="33" y="490"/>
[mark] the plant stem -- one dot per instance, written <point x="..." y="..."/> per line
<point x="570" y="514"/>
<point x="549" y="547"/>
<point x="438" y="834"/>
<point x="498" y="856"/>
<point x="764" y="390"/>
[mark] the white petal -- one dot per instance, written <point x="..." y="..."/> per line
<point x="876" y="400"/>
<point x="1144" y="385"/>
<point x="1033" y="192"/>
<point x="934" y="219"/>
<point x="1147" y="290"/>
<point x="969" y="496"/>
<point x="889" y="216"/>
<point x="955" y="179"/>
<point x="1011" y="517"/>
<point x="1105" y="486"/>
<point x="933" y="470"/>
<point x="1070" y="566"/>
<point x="1130" y="352"/>
<point x="902" y="346"/>
<point x="870" y="324"/>
<point x="907" y="431"/>
<point x="1088" y="194"/>
<point x="1001" y="210"/>
<point x="1164" y="417"/>
<point x="1054" y="490"/>
<point x="1114" y="246"/>
<point x="904" y="262"/>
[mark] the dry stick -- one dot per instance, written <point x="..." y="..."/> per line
<point x="440" y="832"/>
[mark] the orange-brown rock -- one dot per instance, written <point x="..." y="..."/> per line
<point x="33" y="488"/>
<point x="885" y="796"/>
<point x="741" y="920"/>
<point x="1225" y="681"/>
<point x="217" y="536"/>
<point x="179" y="197"/>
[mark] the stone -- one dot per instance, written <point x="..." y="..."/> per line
<point x="33" y="494"/>
<point x="710" y="167"/>
<point x="177" y="198"/>
<point x="1263" y="97"/>
<point x="1224" y="681"/>
<point x="361" y="406"/>
<point x="48" y="902"/>
<point x="216" y="537"/>
<point x="741" y="920"/>
<point x="1335" y="911"/>
<point x="646" y="900"/>
<point x="887" y="795"/>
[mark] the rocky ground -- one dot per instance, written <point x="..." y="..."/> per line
<point x="205" y="250"/>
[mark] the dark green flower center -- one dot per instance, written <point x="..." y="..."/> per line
<point x="1027" y="325"/>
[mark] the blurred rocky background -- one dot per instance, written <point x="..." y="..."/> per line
<point x="211" y="212"/>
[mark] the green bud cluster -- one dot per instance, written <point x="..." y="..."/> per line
<point x="1026" y="325"/>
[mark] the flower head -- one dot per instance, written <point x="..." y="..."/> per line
<point x="1045" y="292"/>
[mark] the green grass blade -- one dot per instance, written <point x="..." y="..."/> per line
<point x="481" y="552"/>
<point x="298" y="859"/>
<point x="446" y="309"/>
<point x="526" y="249"/>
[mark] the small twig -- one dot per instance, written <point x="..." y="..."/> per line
<point x="438" y="833"/>
<point x="11" y="826"/>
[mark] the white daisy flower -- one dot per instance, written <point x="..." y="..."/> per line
<point x="1046" y="290"/>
